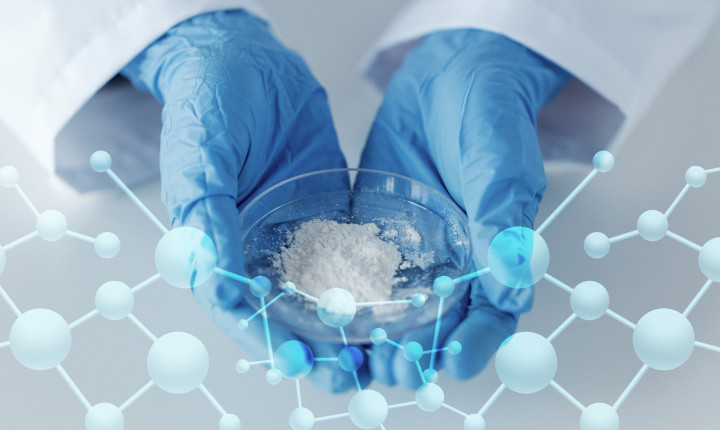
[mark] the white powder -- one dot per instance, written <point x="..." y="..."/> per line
<point x="323" y="254"/>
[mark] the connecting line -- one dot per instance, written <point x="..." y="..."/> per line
<point x="430" y="351"/>
<point x="457" y="411"/>
<point x="684" y="241"/>
<point x="309" y="297"/>
<point x="332" y="417"/>
<point x="567" y="395"/>
<point x="231" y="275"/>
<point x="395" y="344"/>
<point x="83" y="319"/>
<point x="262" y="308"/>
<point x="10" y="302"/>
<point x="472" y="275"/>
<point x="558" y="283"/>
<point x="355" y="375"/>
<point x="20" y="241"/>
<point x="402" y="405"/>
<point x="78" y="236"/>
<point x="136" y="396"/>
<point x="703" y="346"/>
<point x="676" y="201"/>
<point x="422" y="375"/>
<point x="562" y="327"/>
<point x="390" y="302"/>
<point x="27" y="201"/>
<point x="324" y="359"/>
<point x="73" y="387"/>
<point x="137" y="201"/>
<point x="567" y="201"/>
<point x="142" y="327"/>
<point x="630" y="387"/>
<point x="263" y="362"/>
<point x="491" y="400"/>
<point x="436" y="336"/>
<point x="624" y="236"/>
<point x="213" y="401"/>
<point x="710" y="171"/>
<point x="620" y="319"/>
<point x="697" y="297"/>
<point x="4" y="344"/>
<point x="267" y="334"/>
<point x="297" y="391"/>
<point x="145" y="283"/>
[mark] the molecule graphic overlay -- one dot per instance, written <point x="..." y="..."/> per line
<point x="41" y="339"/>
<point x="518" y="257"/>
<point x="526" y="362"/>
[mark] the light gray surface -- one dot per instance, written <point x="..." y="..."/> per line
<point x="596" y="360"/>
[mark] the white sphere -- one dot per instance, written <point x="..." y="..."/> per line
<point x="114" y="300"/>
<point x="368" y="409"/>
<point x="709" y="259"/>
<point x="430" y="397"/>
<point x="3" y="259"/>
<point x="242" y="366"/>
<point x="518" y="257"/>
<point x="229" y="422"/>
<point x="663" y="339"/>
<point x="603" y="161"/>
<point x="336" y="307"/>
<point x="696" y="176"/>
<point x="589" y="300"/>
<point x="107" y="245"/>
<point x="302" y="419"/>
<point x="599" y="416"/>
<point x="474" y="422"/>
<point x="652" y="225"/>
<point x="51" y="225"/>
<point x="178" y="362"/>
<point x="9" y="176"/>
<point x="100" y="161"/>
<point x="185" y="257"/>
<point x="596" y="245"/>
<point x="104" y="416"/>
<point x="526" y="362"/>
<point x="40" y="339"/>
<point x="273" y="376"/>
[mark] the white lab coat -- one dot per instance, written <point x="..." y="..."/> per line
<point x="56" y="56"/>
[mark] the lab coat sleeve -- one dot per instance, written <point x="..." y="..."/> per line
<point x="620" y="52"/>
<point x="56" y="55"/>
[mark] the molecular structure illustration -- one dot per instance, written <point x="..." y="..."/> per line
<point x="40" y="339"/>
<point x="525" y="363"/>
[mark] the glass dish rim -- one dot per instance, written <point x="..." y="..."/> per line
<point x="452" y="204"/>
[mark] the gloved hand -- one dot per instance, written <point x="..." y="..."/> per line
<point x="460" y="115"/>
<point x="241" y="113"/>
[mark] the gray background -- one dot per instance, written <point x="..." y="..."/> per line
<point x="596" y="359"/>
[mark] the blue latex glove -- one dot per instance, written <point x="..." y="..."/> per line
<point x="460" y="116"/>
<point x="241" y="114"/>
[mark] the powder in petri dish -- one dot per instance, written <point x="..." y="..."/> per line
<point x="324" y="254"/>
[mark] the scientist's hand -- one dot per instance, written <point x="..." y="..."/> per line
<point x="241" y="114"/>
<point x="460" y="116"/>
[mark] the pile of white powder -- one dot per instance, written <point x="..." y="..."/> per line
<point x="323" y="254"/>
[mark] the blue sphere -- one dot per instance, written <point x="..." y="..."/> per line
<point x="412" y="351"/>
<point x="350" y="359"/>
<point x="443" y="286"/>
<point x="260" y="286"/>
<point x="294" y="359"/>
<point x="378" y="336"/>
